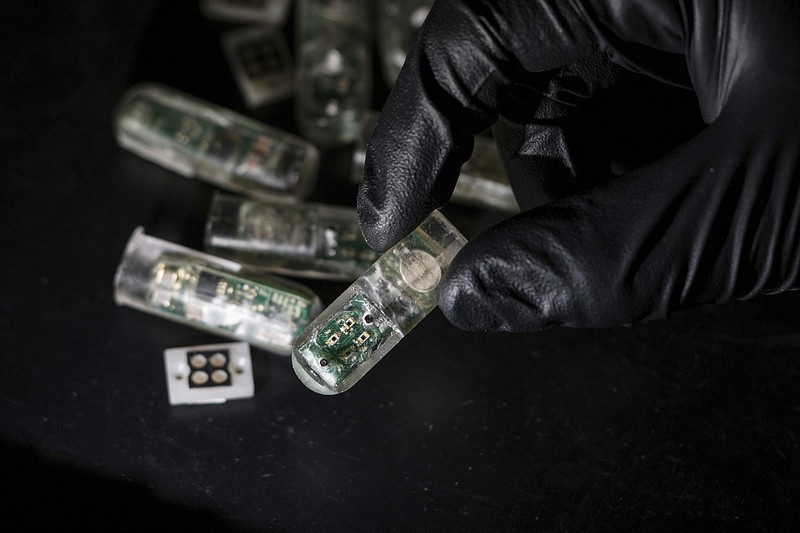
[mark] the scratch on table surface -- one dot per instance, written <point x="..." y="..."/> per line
<point x="401" y="428"/>
<point x="785" y="340"/>
<point x="348" y="456"/>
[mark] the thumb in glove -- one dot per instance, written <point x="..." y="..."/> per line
<point x="715" y="219"/>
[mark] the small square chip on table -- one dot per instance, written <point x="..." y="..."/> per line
<point x="261" y="63"/>
<point x="210" y="373"/>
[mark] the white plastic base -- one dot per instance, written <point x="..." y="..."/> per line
<point x="210" y="373"/>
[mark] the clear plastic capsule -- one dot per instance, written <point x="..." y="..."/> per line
<point x="197" y="138"/>
<point x="305" y="240"/>
<point x="377" y="310"/>
<point x="399" y="22"/>
<point x="482" y="183"/>
<point x="333" y="69"/>
<point x="212" y="294"/>
<point x="269" y="12"/>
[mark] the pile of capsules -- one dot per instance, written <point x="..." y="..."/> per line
<point x="265" y="230"/>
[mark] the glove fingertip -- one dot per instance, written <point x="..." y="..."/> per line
<point x="455" y="297"/>
<point x="477" y="297"/>
<point x="372" y="225"/>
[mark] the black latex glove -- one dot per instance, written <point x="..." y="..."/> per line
<point x="714" y="219"/>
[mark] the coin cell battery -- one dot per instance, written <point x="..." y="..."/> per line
<point x="212" y="373"/>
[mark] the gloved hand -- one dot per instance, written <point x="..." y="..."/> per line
<point x="716" y="218"/>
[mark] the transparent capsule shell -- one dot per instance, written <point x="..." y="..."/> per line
<point x="212" y="294"/>
<point x="358" y="329"/>
<point x="368" y="122"/>
<point x="269" y="12"/>
<point x="196" y="138"/>
<point x="399" y="22"/>
<point x="482" y="183"/>
<point x="333" y="69"/>
<point x="308" y="240"/>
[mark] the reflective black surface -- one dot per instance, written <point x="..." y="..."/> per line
<point x="690" y="421"/>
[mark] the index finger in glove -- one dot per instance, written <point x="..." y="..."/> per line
<point x="467" y="53"/>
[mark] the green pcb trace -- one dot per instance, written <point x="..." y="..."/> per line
<point x="348" y="338"/>
<point x="212" y="293"/>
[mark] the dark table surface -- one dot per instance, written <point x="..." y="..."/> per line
<point x="689" y="421"/>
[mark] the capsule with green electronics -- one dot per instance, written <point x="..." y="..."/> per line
<point x="213" y="294"/>
<point x="333" y="67"/>
<point x="358" y="329"/>
<point x="197" y="138"/>
<point x="309" y="240"/>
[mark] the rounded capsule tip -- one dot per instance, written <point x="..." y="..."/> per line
<point x="308" y="379"/>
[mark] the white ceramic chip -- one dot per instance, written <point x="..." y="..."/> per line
<point x="210" y="373"/>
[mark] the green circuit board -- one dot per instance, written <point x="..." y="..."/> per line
<point x="348" y="339"/>
<point x="246" y="153"/>
<point x="345" y="242"/>
<point x="218" y="299"/>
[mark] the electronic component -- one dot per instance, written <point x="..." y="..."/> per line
<point x="482" y="182"/>
<point x="261" y="64"/>
<point x="211" y="293"/>
<point x="377" y="310"/>
<point x="334" y="69"/>
<point x="306" y="240"/>
<point x="399" y="22"/>
<point x="211" y="373"/>
<point x="193" y="137"/>
<point x="269" y="12"/>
